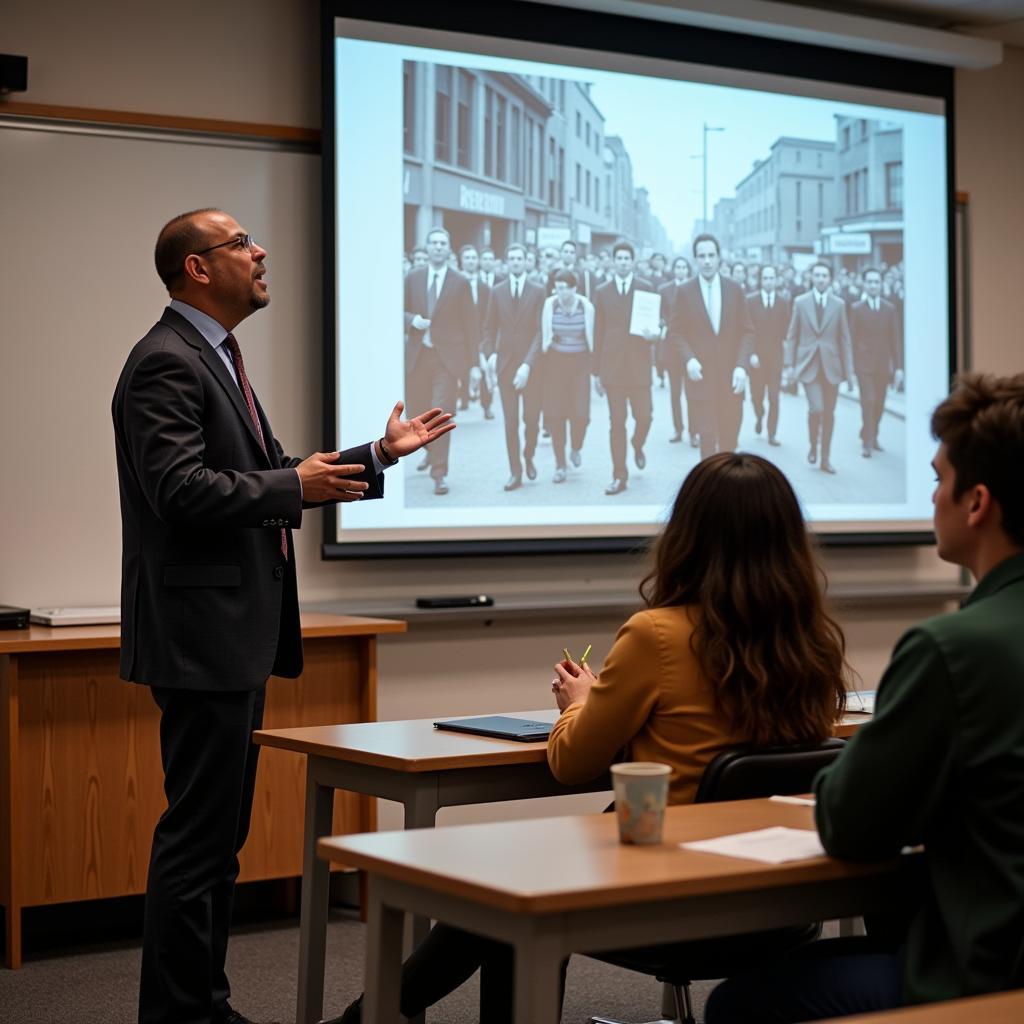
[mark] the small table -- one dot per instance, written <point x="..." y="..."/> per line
<point x="562" y="885"/>
<point x="1002" y="1008"/>
<point x="416" y="765"/>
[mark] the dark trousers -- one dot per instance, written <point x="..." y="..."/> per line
<point x="432" y="386"/>
<point x="834" y="978"/>
<point x="672" y="360"/>
<point x="519" y="407"/>
<point x="766" y="383"/>
<point x="873" y="387"/>
<point x="209" y="763"/>
<point x="717" y="419"/>
<point x="638" y="398"/>
<point x="449" y="956"/>
<point x="821" y="411"/>
<point x="566" y="389"/>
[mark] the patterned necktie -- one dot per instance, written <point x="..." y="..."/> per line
<point x="236" y="357"/>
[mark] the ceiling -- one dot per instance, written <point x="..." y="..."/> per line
<point x="992" y="19"/>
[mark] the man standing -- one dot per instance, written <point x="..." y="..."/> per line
<point x="818" y="353"/>
<point x="568" y="261"/>
<point x="939" y="765"/>
<point x="877" y="356"/>
<point x="670" y="357"/>
<point x="623" y="362"/>
<point x="439" y="330"/>
<point x="208" y="592"/>
<point x="711" y="328"/>
<point x="512" y="346"/>
<point x="489" y="274"/>
<point x="469" y="261"/>
<point x="769" y="313"/>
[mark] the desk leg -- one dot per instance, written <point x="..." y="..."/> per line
<point x="313" y="912"/>
<point x="538" y="977"/>
<point x="421" y="809"/>
<point x="383" y="961"/>
<point x="10" y="850"/>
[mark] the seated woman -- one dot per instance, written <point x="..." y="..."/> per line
<point x="567" y="341"/>
<point x="734" y="646"/>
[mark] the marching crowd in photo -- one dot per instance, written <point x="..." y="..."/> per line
<point x="544" y="330"/>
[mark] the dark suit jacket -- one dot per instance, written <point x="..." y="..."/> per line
<point x="512" y="329"/>
<point x="451" y="322"/>
<point x="621" y="359"/>
<point x="876" y="338"/>
<point x="208" y="601"/>
<point x="769" y="330"/>
<point x="719" y="354"/>
<point x="805" y="339"/>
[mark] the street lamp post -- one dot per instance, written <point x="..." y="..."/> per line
<point x="704" y="157"/>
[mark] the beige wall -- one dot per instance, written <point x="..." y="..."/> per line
<point x="258" y="61"/>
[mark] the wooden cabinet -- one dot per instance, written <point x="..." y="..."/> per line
<point x="80" y="776"/>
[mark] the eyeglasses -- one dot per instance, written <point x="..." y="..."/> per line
<point x="242" y="241"/>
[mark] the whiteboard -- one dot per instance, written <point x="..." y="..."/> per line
<point x="80" y="209"/>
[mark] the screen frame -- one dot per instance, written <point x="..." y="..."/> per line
<point x="593" y="30"/>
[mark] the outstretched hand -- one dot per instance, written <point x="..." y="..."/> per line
<point x="403" y="437"/>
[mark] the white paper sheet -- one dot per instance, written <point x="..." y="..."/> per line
<point x="776" y="845"/>
<point x="646" y="313"/>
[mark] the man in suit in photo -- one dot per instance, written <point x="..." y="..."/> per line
<point x="623" y="362"/>
<point x="769" y="313"/>
<point x="568" y="261"/>
<point x="670" y="357"/>
<point x="209" y="606"/>
<point x="489" y="274"/>
<point x="818" y="354"/>
<point x="512" y="348"/>
<point x="711" y="328"/>
<point x="877" y="355"/>
<point x="439" y="323"/>
<point x="469" y="263"/>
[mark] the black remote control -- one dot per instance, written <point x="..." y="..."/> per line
<point x="476" y="601"/>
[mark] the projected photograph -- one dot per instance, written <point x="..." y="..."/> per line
<point x="609" y="280"/>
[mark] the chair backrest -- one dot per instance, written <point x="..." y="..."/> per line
<point x="744" y="773"/>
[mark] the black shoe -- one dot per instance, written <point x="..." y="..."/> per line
<point x="513" y="483"/>
<point x="617" y="486"/>
<point x="531" y="469"/>
<point x="352" y="1015"/>
<point x="423" y="464"/>
<point x="640" y="458"/>
<point x="440" y="485"/>
<point x="757" y="425"/>
<point x="695" y="440"/>
<point x="774" y="443"/>
<point x="488" y="414"/>
<point x="812" y="455"/>
<point x="877" y="446"/>
<point x="827" y="467"/>
<point x="675" y="438"/>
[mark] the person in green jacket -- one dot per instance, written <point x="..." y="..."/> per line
<point x="941" y="763"/>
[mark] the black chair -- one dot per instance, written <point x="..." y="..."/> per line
<point x="739" y="773"/>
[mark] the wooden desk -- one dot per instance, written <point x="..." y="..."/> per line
<point x="422" y="768"/>
<point x="562" y="885"/>
<point x="1004" y="1008"/>
<point x="81" y="785"/>
<point x="416" y="765"/>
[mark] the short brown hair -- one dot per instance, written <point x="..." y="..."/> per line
<point x="178" y="238"/>
<point x="981" y="425"/>
<point x="737" y="552"/>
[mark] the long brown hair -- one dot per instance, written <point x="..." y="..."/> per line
<point x="737" y="551"/>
